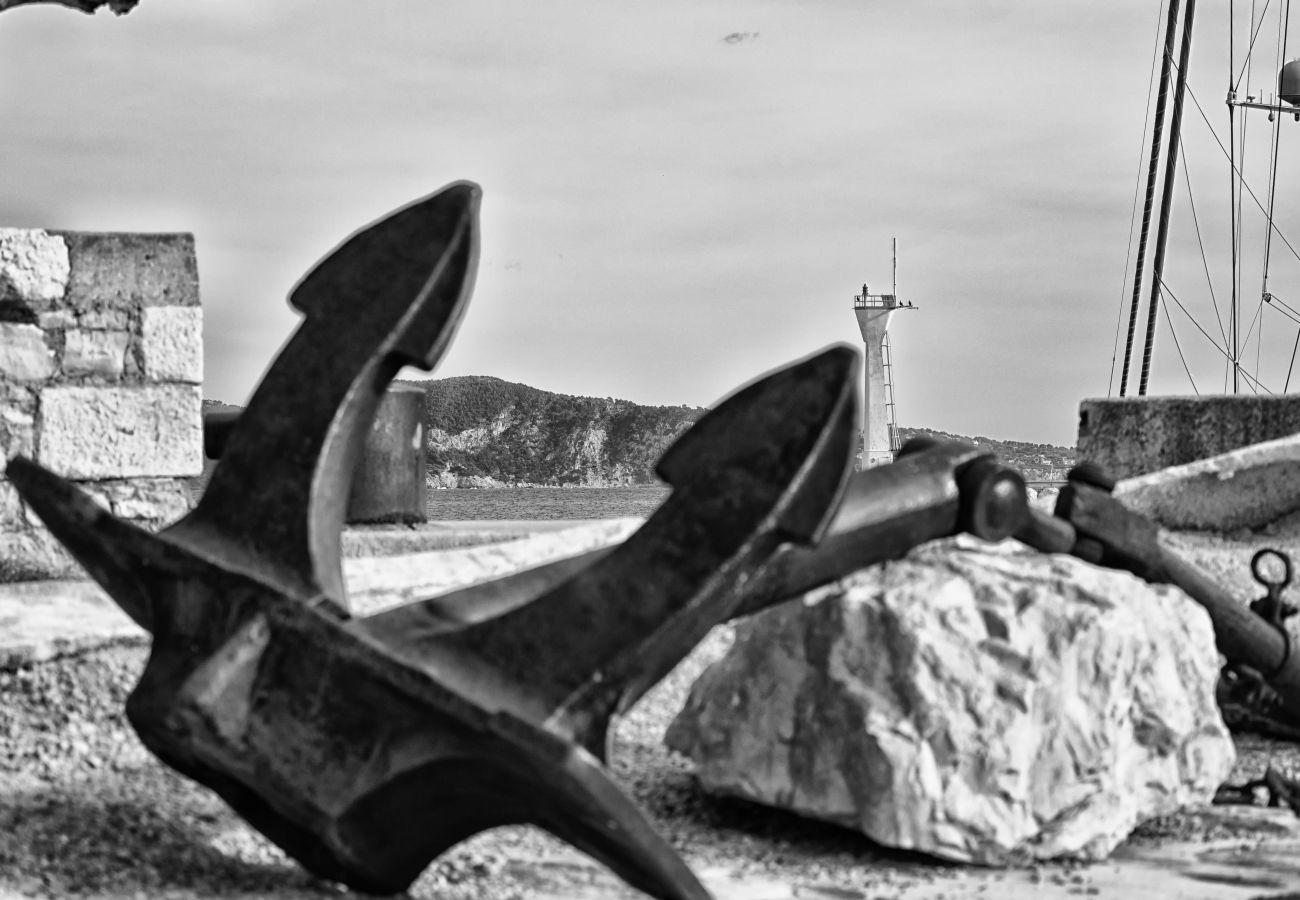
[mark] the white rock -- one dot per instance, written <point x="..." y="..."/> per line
<point x="121" y="432"/>
<point x="24" y="355"/>
<point x="34" y="266"/>
<point x="987" y="707"/>
<point x="172" y="338"/>
<point x="94" y="352"/>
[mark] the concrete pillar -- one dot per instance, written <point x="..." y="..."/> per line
<point x="388" y="485"/>
<point x="873" y="314"/>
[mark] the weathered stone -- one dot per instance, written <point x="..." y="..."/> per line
<point x="989" y="707"/>
<point x="17" y="432"/>
<point x="56" y="320"/>
<point x="94" y="353"/>
<point x="1135" y="435"/>
<point x="172" y="343"/>
<point x="32" y="555"/>
<point x="379" y="583"/>
<point x="119" y="432"/>
<point x="33" y="267"/>
<point x="152" y="501"/>
<point x="104" y="318"/>
<point x="24" y="355"/>
<point x="124" y="270"/>
<point x="44" y="619"/>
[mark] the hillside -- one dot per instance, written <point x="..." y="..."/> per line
<point x="1037" y="462"/>
<point x="485" y="432"/>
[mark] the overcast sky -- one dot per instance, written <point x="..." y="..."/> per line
<point x="678" y="195"/>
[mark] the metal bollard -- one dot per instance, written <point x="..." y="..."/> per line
<point x="389" y="482"/>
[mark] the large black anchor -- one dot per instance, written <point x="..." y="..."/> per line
<point x="362" y="749"/>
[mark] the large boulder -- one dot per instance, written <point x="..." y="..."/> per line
<point x="979" y="704"/>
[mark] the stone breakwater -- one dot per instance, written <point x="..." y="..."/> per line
<point x="101" y="359"/>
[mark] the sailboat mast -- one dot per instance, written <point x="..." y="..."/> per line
<point x="1171" y="167"/>
<point x="1234" y="215"/>
<point x="1153" y="167"/>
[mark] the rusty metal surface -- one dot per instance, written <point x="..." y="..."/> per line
<point x="365" y="751"/>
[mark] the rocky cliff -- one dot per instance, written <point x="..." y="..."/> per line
<point x="485" y="432"/>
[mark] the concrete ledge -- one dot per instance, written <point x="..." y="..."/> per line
<point x="1136" y="435"/>
<point x="394" y="540"/>
<point x="1247" y="488"/>
<point x="43" y="620"/>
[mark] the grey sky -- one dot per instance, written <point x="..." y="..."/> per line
<point x="667" y="213"/>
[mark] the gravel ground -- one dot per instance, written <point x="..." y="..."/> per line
<point x="86" y="811"/>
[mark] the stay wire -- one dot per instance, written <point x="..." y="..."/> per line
<point x="1276" y="144"/>
<point x="1284" y="310"/>
<point x="1282" y="237"/>
<point x="1257" y="26"/>
<point x="1205" y="263"/>
<point x="1164" y="307"/>
<point x="1165" y="292"/>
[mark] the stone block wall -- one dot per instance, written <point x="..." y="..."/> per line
<point x="101" y="362"/>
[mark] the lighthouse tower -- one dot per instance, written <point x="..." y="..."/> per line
<point x="879" y="428"/>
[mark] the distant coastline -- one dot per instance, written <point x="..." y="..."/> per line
<point x="483" y="433"/>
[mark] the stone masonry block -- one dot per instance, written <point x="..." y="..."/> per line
<point x="33" y="267"/>
<point x="121" y="432"/>
<point x="102" y="319"/>
<point x="24" y="355"/>
<point x="17" y="432"/>
<point x="124" y="270"/>
<point x="11" y="508"/>
<point x="149" y="501"/>
<point x="95" y="353"/>
<point x="35" y="556"/>
<point x="56" y="320"/>
<point x="172" y="343"/>
<point x="1136" y="435"/>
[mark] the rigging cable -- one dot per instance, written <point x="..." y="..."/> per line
<point x="1255" y="34"/>
<point x="1132" y="220"/>
<point x="1276" y="143"/>
<point x="1213" y="343"/>
<point x="1205" y="263"/>
<point x="1165" y="308"/>
<point x="1283" y="307"/>
<point x="1282" y="237"/>
<point x="1247" y="67"/>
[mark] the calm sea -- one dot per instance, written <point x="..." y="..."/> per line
<point x="546" y="503"/>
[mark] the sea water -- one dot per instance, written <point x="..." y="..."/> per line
<point x="545" y="503"/>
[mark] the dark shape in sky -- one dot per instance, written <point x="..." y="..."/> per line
<point x="121" y="7"/>
<point x="737" y="37"/>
